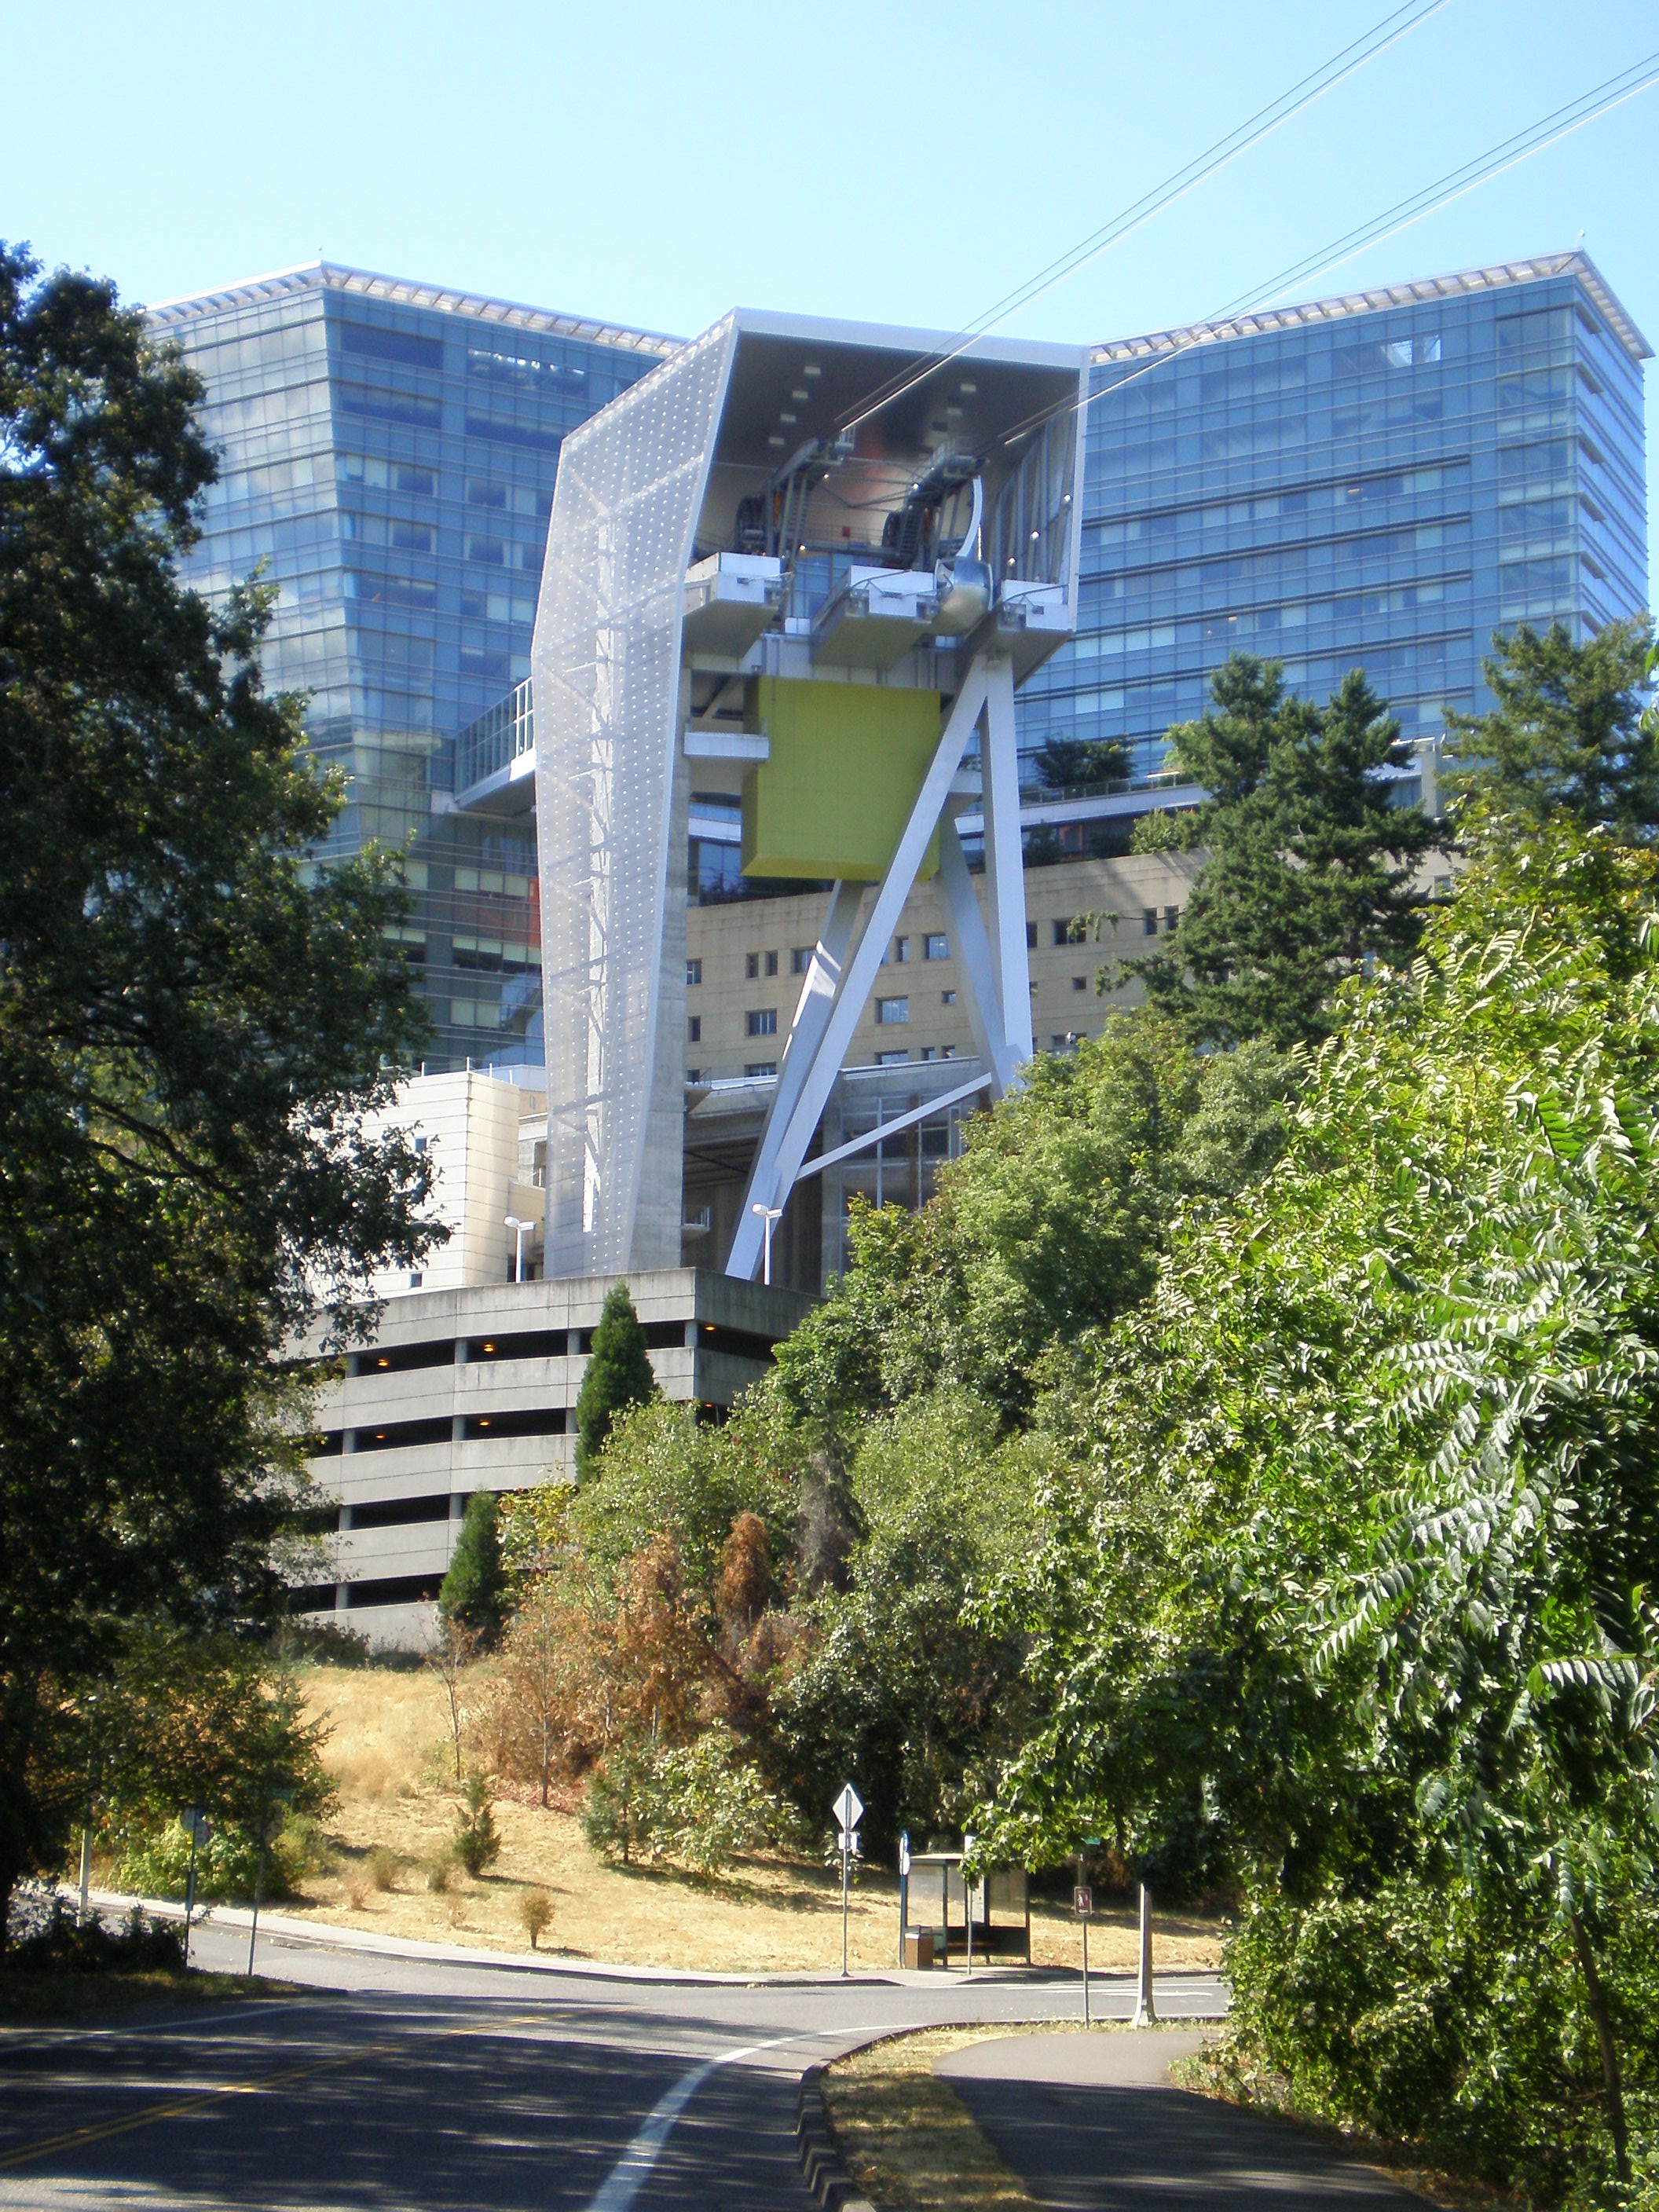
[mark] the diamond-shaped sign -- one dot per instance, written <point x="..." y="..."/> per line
<point x="848" y="1807"/>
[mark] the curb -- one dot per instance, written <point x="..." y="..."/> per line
<point x="819" y="2154"/>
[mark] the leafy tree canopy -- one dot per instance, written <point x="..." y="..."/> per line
<point x="1065" y="762"/>
<point x="618" y="1376"/>
<point x="1568" y="734"/>
<point x="1309" y="867"/>
<point x="193" y="1022"/>
<point x="1050" y="1224"/>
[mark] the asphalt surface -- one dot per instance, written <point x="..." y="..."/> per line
<point x="1091" y="2124"/>
<point x="420" y="2085"/>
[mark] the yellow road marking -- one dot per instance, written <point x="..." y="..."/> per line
<point x="97" y="2132"/>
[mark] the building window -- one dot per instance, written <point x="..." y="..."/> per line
<point x="901" y="949"/>
<point x="1079" y="982"/>
<point x="1030" y="936"/>
<point x="1171" y="916"/>
<point x="756" y="964"/>
<point x="800" y="959"/>
<point x="694" y="972"/>
<point x="936" y="945"/>
<point x="891" y="1059"/>
<point x="947" y="998"/>
<point x="1149" y="920"/>
<point x="892" y="1010"/>
<point x="751" y="965"/>
<point x="1063" y="932"/>
<point x="761" y="1021"/>
<point x="694" y="1028"/>
<point x="762" y="1068"/>
<point x="694" y="1075"/>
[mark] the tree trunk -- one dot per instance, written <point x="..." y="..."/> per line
<point x="1613" y="2081"/>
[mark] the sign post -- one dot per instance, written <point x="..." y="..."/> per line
<point x="848" y="1809"/>
<point x="1145" y="2010"/>
<point x="196" y="1820"/>
<point x="1082" y="1904"/>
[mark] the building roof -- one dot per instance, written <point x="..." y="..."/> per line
<point x="333" y="277"/>
<point x="1258" y="320"/>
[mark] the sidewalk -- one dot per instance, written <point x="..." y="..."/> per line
<point x="1092" y="2123"/>
<point x="329" y="1936"/>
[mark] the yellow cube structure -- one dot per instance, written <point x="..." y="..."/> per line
<point x="846" y="761"/>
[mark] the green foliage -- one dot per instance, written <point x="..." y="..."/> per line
<point x="896" y="1685"/>
<point x="192" y="1026"/>
<point x="473" y="1594"/>
<point x="664" y="1473"/>
<point x="1049" y="1224"/>
<point x="137" y="1946"/>
<point x="1568" y="732"/>
<point x="618" y="1376"/>
<point x="156" y="1862"/>
<point x="700" y="1805"/>
<point x="1308" y="874"/>
<point x="477" y="1843"/>
<point x="1069" y="763"/>
<point x="1165" y="830"/>
<point x="1349" y="1599"/>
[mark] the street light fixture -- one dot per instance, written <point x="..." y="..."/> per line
<point x="522" y="1229"/>
<point x="769" y="1214"/>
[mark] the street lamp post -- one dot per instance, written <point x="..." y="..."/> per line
<point x="522" y="1230"/>
<point x="770" y="1214"/>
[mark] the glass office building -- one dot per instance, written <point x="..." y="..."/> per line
<point x="389" y="451"/>
<point x="1377" y="481"/>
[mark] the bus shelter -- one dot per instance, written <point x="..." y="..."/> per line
<point x="941" y="1917"/>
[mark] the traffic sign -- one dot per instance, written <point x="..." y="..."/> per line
<point x="848" y="1807"/>
<point x="1083" y="1902"/>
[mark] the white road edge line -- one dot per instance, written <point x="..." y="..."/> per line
<point x="633" y="2169"/>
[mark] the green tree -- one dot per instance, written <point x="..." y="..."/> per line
<point x="1064" y="763"/>
<point x="1309" y="867"/>
<point x="1347" y="1596"/>
<point x="193" y="1022"/>
<point x="1050" y="1223"/>
<point x="1568" y="732"/>
<point x="474" y="1595"/>
<point x="618" y="1376"/>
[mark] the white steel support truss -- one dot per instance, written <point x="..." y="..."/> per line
<point x="993" y="964"/>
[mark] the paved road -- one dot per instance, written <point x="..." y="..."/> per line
<point x="411" y="2085"/>
<point x="1091" y="2124"/>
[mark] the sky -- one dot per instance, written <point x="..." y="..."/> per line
<point x="884" y="160"/>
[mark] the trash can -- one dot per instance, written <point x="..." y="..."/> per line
<point x="917" y="1947"/>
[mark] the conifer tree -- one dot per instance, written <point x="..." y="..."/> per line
<point x="474" y="1592"/>
<point x="1310" y="868"/>
<point x="618" y="1376"/>
<point x="1568" y="734"/>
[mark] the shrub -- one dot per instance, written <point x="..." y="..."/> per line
<point x="156" y="1862"/>
<point x="700" y="1804"/>
<point x="618" y="1376"/>
<point x="477" y="1845"/>
<point x="138" y="1944"/>
<point x="473" y="1596"/>
<point x="536" y="1911"/>
<point x="440" y="1873"/>
<point x="383" y="1868"/>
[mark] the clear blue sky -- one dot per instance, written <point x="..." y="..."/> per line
<point x="654" y="164"/>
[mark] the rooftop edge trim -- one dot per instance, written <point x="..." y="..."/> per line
<point x="1258" y="320"/>
<point x="334" y="277"/>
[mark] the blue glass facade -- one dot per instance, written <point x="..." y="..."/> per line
<point x="1375" y="482"/>
<point x="389" y="452"/>
<point x="1378" y="481"/>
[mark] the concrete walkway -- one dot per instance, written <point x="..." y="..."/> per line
<point x="1091" y="2123"/>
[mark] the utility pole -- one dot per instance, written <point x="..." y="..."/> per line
<point x="1145" y="2009"/>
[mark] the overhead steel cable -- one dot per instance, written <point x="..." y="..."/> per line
<point x="1614" y="92"/>
<point x="1300" y="96"/>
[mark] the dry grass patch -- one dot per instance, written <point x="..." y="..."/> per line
<point x="390" y="1752"/>
<point x="908" y="2139"/>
